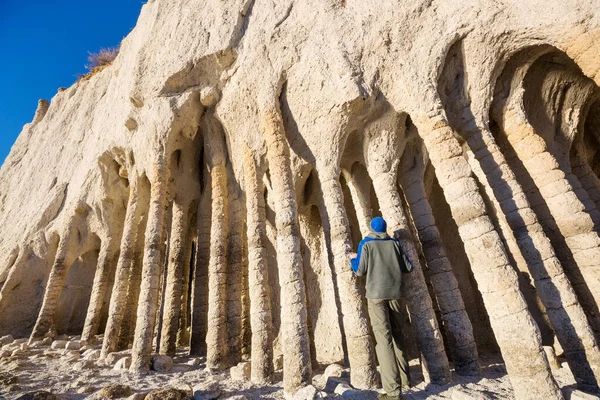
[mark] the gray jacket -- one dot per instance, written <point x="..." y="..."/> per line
<point x="381" y="260"/>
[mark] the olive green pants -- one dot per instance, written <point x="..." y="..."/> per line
<point x="386" y="320"/>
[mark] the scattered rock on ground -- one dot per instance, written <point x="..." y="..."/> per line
<point x="138" y="396"/>
<point x="92" y="354"/>
<point x="112" y="358"/>
<point x="113" y="392"/>
<point x="58" y="344"/>
<point x="162" y="363"/>
<point x="306" y="393"/>
<point x="73" y="345"/>
<point x="207" y="390"/>
<point x="333" y="370"/>
<point x="167" y="394"/>
<point x="241" y="372"/>
<point x="38" y="395"/>
<point x="8" y="339"/>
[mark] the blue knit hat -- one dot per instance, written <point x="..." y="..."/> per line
<point x="378" y="224"/>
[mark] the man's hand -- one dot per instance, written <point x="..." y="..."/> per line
<point x="353" y="255"/>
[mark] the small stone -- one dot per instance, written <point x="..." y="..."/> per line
<point x="306" y="393"/>
<point x="167" y="394"/>
<point x="8" y="339"/>
<point x="333" y="370"/>
<point x="114" y="392"/>
<point x="208" y="390"/>
<point x="73" y="345"/>
<point x="46" y="341"/>
<point x="333" y="383"/>
<point x="122" y="364"/>
<point x="341" y="388"/>
<point x="19" y="341"/>
<point x="138" y="396"/>
<point x="92" y="354"/>
<point x="5" y="353"/>
<point x="58" y="344"/>
<point x="112" y="358"/>
<point x="38" y="395"/>
<point x="24" y="347"/>
<point x="162" y="363"/>
<point x="85" y="364"/>
<point x="241" y="372"/>
<point x="194" y="361"/>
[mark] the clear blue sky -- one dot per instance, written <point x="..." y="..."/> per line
<point x="45" y="44"/>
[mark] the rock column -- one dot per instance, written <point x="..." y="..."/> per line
<point x="258" y="274"/>
<point x="101" y="278"/>
<point x="516" y="332"/>
<point x="65" y="256"/>
<point x="174" y="279"/>
<point x="361" y="355"/>
<point x="294" y="328"/>
<point x="459" y="331"/>
<point x="429" y="338"/>
<point x="153" y="257"/>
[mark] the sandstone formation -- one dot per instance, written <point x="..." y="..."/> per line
<point x="207" y="190"/>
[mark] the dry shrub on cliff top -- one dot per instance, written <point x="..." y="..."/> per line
<point x="100" y="60"/>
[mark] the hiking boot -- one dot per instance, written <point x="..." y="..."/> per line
<point x="384" y="396"/>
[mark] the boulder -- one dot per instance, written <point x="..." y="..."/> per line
<point x="38" y="395"/>
<point x="8" y="339"/>
<point x="168" y="394"/>
<point x="306" y="393"/>
<point x="241" y="372"/>
<point x="162" y="363"/>
<point x="91" y="354"/>
<point x="112" y="358"/>
<point x="207" y="390"/>
<point x="73" y="345"/>
<point x="113" y="392"/>
<point x="333" y="370"/>
<point x="58" y="344"/>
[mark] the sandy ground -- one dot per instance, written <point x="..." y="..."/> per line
<point x="42" y="368"/>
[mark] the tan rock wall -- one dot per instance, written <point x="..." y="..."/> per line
<point x="333" y="100"/>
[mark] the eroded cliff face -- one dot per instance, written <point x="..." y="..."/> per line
<point x="208" y="188"/>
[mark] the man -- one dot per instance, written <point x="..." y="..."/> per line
<point x="381" y="260"/>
